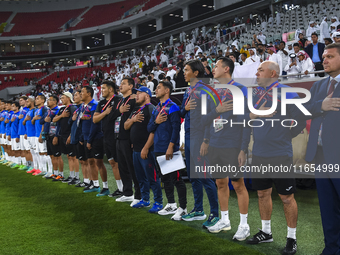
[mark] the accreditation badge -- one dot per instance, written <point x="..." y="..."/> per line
<point x="117" y="124"/>
<point x="218" y="124"/>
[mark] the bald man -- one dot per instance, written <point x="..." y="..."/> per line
<point x="273" y="147"/>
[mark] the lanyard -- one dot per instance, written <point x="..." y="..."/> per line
<point x="191" y="92"/>
<point x="123" y="104"/>
<point x="108" y="103"/>
<point x="163" y="109"/>
<point x="226" y="91"/>
<point x="257" y="103"/>
<point x="140" y="109"/>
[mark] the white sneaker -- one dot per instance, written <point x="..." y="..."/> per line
<point x="134" y="202"/>
<point x="168" y="209"/>
<point x="219" y="226"/>
<point x="242" y="233"/>
<point x="179" y="213"/>
<point x="125" y="199"/>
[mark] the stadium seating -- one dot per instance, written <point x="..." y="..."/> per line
<point x="19" y="79"/>
<point x="24" y="53"/>
<point x="41" y="23"/>
<point x="4" y="16"/>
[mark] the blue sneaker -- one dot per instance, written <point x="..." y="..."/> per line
<point x="141" y="204"/>
<point x="194" y="215"/>
<point x="104" y="192"/>
<point x="91" y="188"/>
<point x="212" y="220"/>
<point x="156" y="207"/>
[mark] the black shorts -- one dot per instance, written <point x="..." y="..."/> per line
<point x="97" y="150"/>
<point x="67" y="149"/>
<point x="53" y="150"/>
<point x="80" y="152"/>
<point x="284" y="186"/>
<point x="225" y="157"/>
<point x="110" y="149"/>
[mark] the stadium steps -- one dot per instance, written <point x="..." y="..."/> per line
<point x="80" y="17"/>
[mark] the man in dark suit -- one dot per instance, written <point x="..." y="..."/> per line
<point x="324" y="146"/>
<point x="315" y="51"/>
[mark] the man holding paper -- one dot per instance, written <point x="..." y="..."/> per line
<point x="165" y="124"/>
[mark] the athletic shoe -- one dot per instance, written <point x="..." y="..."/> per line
<point x="14" y="165"/>
<point x="168" y="209"/>
<point x="29" y="169"/>
<point x="58" y="178"/>
<point x="103" y="193"/>
<point x="4" y="162"/>
<point x="74" y="181"/>
<point x="24" y="168"/>
<point x="43" y="173"/>
<point x="260" y="237"/>
<point x="194" y="215"/>
<point x="32" y="171"/>
<point x="219" y="226"/>
<point x="68" y="179"/>
<point x="52" y="176"/>
<point x="125" y="199"/>
<point x="117" y="193"/>
<point x="179" y="213"/>
<point x="291" y="247"/>
<point x="134" y="202"/>
<point x="156" y="208"/>
<point x="91" y="188"/>
<point x="21" y="167"/>
<point x="141" y="204"/>
<point x="81" y="185"/>
<point x="212" y="220"/>
<point x="8" y="163"/>
<point x="36" y="172"/>
<point x="242" y="232"/>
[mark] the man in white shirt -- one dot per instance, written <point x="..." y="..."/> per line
<point x="292" y="67"/>
<point x="311" y="29"/>
<point x="324" y="31"/>
<point x="150" y="84"/>
<point x="171" y="72"/>
<point x="253" y="57"/>
<point x="284" y="56"/>
<point x="262" y="38"/>
<point x="306" y="64"/>
<point x="272" y="56"/>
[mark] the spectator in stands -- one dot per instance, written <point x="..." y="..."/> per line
<point x="253" y="57"/>
<point x="290" y="48"/>
<point x="302" y="41"/>
<point x="262" y="38"/>
<point x="336" y="37"/>
<point x="284" y="55"/>
<point x="292" y="66"/>
<point x="327" y="41"/>
<point x="272" y="56"/>
<point x="310" y="30"/>
<point x="245" y="49"/>
<point x="315" y="51"/>
<point x="243" y="58"/>
<point x="233" y="58"/>
<point x="305" y="64"/>
<point x="261" y="52"/>
<point x="296" y="47"/>
<point x="324" y="31"/>
<point x="171" y="72"/>
<point x="207" y="69"/>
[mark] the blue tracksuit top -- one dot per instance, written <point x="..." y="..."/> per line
<point x="52" y="113"/>
<point x="8" y="125"/>
<point x="30" y="128"/>
<point x="277" y="140"/>
<point x="38" y="123"/>
<point x="22" y="129"/>
<point x="235" y="136"/>
<point x="167" y="131"/>
<point x="2" y="126"/>
<point x="90" y="130"/>
<point x="15" y="126"/>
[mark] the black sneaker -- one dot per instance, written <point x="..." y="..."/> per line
<point x="291" y="247"/>
<point x="92" y="188"/>
<point x="260" y="237"/>
<point x="68" y="179"/>
<point x="74" y="181"/>
<point x="81" y="185"/>
<point x="58" y="178"/>
<point x="117" y="193"/>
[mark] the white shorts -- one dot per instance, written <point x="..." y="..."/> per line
<point x="1" y="139"/>
<point x="22" y="142"/>
<point x="6" y="142"/>
<point x="40" y="147"/>
<point x="15" y="145"/>
<point x="30" y="142"/>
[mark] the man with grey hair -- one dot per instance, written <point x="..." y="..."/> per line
<point x="273" y="147"/>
